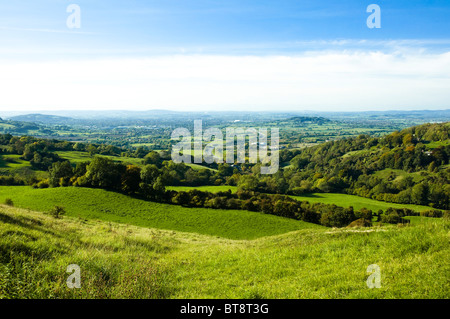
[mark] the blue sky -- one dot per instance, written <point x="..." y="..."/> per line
<point x="192" y="54"/>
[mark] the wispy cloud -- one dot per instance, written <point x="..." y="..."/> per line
<point x="45" y="30"/>
<point x="286" y="48"/>
<point x="338" y="81"/>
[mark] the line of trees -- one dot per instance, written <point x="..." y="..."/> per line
<point x="149" y="183"/>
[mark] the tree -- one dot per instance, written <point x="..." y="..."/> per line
<point x="159" y="186"/>
<point x="248" y="182"/>
<point x="91" y="149"/>
<point x="140" y="152"/>
<point x="131" y="179"/>
<point x="337" y="217"/>
<point x="79" y="147"/>
<point x="60" y="173"/>
<point x="57" y="211"/>
<point x="104" y="173"/>
<point x="152" y="158"/>
<point x="150" y="173"/>
<point x="419" y="194"/>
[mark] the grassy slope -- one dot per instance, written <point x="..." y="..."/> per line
<point x="121" y="261"/>
<point x="357" y="202"/>
<point x="212" y="189"/>
<point x="77" y="157"/>
<point x="109" y="206"/>
<point x="343" y="200"/>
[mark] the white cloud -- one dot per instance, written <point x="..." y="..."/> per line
<point x="346" y="80"/>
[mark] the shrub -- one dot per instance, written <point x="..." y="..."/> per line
<point x="431" y="213"/>
<point x="9" y="202"/>
<point x="360" y="223"/>
<point x="57" y="211"/>
<point x="393" y="218"/>
<point x="364" y="213"/>
<point x="43" y="184"/>
<point x="337" y="217"/>
<point x="446" y="214"/>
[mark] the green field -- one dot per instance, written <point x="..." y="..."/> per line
<point x="16" y="161"/>
<point x="77" y="157"/>
<point x="211" y="189"/>
<point x="197" y="167"/>
<point x="435" y="144"/>
<point x="400" y="174"/>
<point x="123" y="261"/>
<point x="109" y="206"/>
<point x="343" y="200"/>
<point x="357" y="202"/>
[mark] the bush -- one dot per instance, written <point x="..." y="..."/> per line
<point x="393" y="218"/>
<point x="360" y="223"/>
<point x="431" y="213"/>
<point x="9" y="202"/>
<point x="446" y="215"/>
<point x="364" y="213"/>
<point x="43" y="184"/>
<point x="337" y="217"/>
<point x="57" y="211"/>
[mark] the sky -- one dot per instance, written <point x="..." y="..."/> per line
<point x="209" y="55"/>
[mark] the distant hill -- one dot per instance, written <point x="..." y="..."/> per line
<point x="308" y="119"/>
<point x="297" y="120"/>
<point x="42" y="118"/>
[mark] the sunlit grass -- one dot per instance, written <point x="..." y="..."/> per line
<point x="123" y="261"/>
<point x="110" y="206"/>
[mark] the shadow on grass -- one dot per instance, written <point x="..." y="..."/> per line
<point x="26" y="222"/>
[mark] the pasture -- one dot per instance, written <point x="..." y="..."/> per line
<point x="97" y="204"/>
<point x="343" y="200"/>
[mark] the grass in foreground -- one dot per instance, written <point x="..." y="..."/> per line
<point x="120" y="261"/>
<point x="109" y="206"/>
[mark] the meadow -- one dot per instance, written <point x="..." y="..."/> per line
<point x="77" y="157"/>
<point x="125" y="261"/>
<point x="98" y="204"/>
<point x="211" y="189"/>
<point x="342" y="200"/>
<point x="357" y="202"/>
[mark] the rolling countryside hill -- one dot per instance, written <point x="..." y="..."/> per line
<point x="125" y="261"/>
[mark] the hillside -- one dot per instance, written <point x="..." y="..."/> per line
<point x="42" y="118"/>
<point x="404" y="167"/>
<point x="97" y="204"/>
<point x="123" y="261"/>
<point x="343" y="200"/>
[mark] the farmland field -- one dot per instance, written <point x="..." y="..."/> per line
<point x="212" y="189"/>
<point x="77" y="157"/>
<point x="357" y="202"/>
<point x="343" y="200"/>
<point x="109" y="206"/>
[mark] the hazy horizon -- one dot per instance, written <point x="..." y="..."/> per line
<point x="80" y="112"/>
